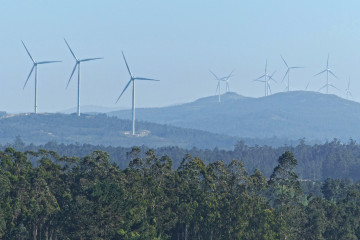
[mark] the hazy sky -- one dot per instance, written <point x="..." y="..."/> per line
<point x="176" y="42"/>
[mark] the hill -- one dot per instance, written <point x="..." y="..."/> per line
<point x="91" y="109"/>
<point x="103" y="130"/>
<point x="291" y="115"/>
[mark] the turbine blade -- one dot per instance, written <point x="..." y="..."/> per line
<point x="127" y="85"/>
<point x="285" y="75"/>
<point x="217" y="88"/>
<point x="89" y="59"/>
<point x="333" y="74"/>
<point x="333" y="86"/>
<point x="307" y="85"/>
<point x="226" y="78"/>
<point x="271" y="76"/>
<point x="269" y="88"/>
<point x="327" y="62"/>
<point x="127" y="66"/>
<point x="322" y="87"/>
<point x="32" y="69"/>
<point x="28" y="52"/>
<point x="296" y="67"/>
<point x="265" y="66"/>
<point x="258" y="80"/>
<point x="148" y="79"/>
<point x="284" y="61"/>
<point x="72" y="73"/>
<point x="259" y="77"/>
<point x="227" y="87"/>
<point x="45" y="62"/>
<point x="70" y="49"/>
<point x="214" y="75"/>
<point x="320" y="73"/>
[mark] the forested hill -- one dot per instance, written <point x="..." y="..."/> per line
<point x="291" y="115"/>
<point x="104" y="130"/>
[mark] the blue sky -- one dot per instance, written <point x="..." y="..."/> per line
<point x="176" y="42"/>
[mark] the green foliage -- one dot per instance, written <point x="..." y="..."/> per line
<point x="91" y="198"/>
<point x="333" y="159"/>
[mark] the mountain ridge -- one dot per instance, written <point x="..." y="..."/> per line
<point x="292" y="115"/>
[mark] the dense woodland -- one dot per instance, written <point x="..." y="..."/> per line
<point x="91" y="198"/>
<point x="333" y="159"/>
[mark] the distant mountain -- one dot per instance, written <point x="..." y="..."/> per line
<point x="290" y="115"/>
<point x="103" y="130"/>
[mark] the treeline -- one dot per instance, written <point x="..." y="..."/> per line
<point x="333" y="159"/>
<point x="89" y="197"/>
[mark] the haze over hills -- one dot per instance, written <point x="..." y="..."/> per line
<point x="291" y="115"/>
<point x="91" y="109"/>
<point x="103" y="130"/>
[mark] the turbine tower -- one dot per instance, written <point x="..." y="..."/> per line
<point x="77" y="65"/>
<point x="222" y="79"/>
<point x="327" y="70"/>
<point x="266" y="80"/>
<point x="132" y="80"/>
<point x="35" y="64"/>
<point x="288" y="73"/>
<point x="348" y="93"/>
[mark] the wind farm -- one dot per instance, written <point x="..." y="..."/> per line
<point x="180" y="120"/>
<point x="265" y="79"/>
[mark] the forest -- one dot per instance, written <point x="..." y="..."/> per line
<point x="316" y="162"/>
<point x="45" y="195"/>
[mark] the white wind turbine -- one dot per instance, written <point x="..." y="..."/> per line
<point x="35" y="65"/>
<point x="267" y="83"/>
<point x="327" y="70"/>
<point x="222" y="79"/>
<point x="77" y="65"/>
<point x="348" y="93"/>
<point x="226" y="79"/>
<point x="266" y="80"/>
<point x="288" y="73"/>
<point x="132" y="80"/>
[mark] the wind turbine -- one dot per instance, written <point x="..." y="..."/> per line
<point x="266" y="80"/>
<point x="77" y="65"/>
<point x="327" y="70"/>
<point x="267" y="83"/>
<point x="348" y="93"/>
<point x="132" y="80"/>
<point x="288" y="73"/>
<point x="224" y="79"/>
<point x="35" y="64"/>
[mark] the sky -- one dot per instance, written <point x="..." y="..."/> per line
<point x="176" y="42"/>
